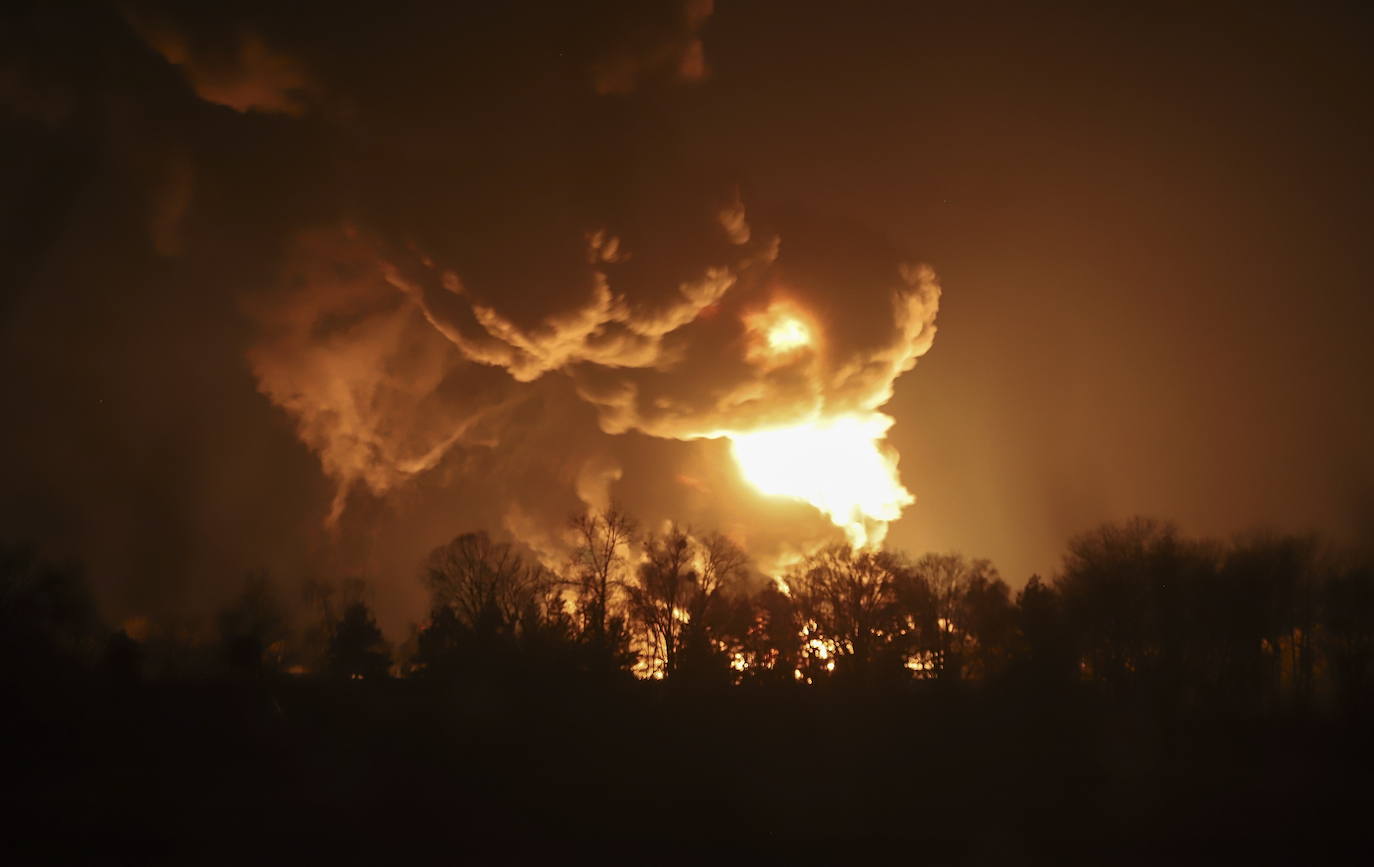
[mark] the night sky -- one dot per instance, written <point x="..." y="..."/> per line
<point x="231" y="340"/>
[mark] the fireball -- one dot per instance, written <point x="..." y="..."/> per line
<point x="837" y="464"/>
<point x="788" y="333"/>
<point x="779" y="334"/>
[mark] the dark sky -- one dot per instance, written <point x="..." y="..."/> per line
<point x="224" y="235"/>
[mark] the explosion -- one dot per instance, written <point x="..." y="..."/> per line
<point x="836" y="465"/>
<point x="779" y="335"/>
<point x="514" y="334"/>
<point x="834" y="459"/>
<point x="788" y="333"/>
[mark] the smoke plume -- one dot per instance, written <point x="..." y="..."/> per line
<point x="483" y="287"/>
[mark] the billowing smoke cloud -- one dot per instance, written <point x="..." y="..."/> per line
<point x="367" y="353"/>
<point x="245" y="73"/>
<point x="484" y="278"/>
<point x="666" y="45"/>
<point x="686" y="367"/>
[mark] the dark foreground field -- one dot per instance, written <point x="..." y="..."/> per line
<point x="260" y="771"/>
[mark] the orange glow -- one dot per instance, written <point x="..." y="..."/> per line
<point x="137" y="628"/>
<point x="778" y="334"/>
<point x="788" y="333"/>
<point x="692" y="482"/>
<point x="837" y="465"/>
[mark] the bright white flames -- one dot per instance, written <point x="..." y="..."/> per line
<point x="788" y="333"/>
<point x="835" y="464"/>
<point x="780" y="334"/>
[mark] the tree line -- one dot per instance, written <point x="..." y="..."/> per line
<point x="1137" y="609"/>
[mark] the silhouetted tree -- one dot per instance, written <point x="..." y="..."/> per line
<point x="770" y="634"/>
<point x="487" y="584"/>
<point x="492" y="611"/>
<point x="443" y="643"/>
<point x="989" y="620"/>
<point x="358" y="650"/>
<point x="321" y="607"/>
<point x="599" y="567"/>
<point x="844" y="599"/>
<point x="1271" y="591"/>
<point x="406" y="654"/>
<point x="47" y="616"/>
<point x="548" y="634"/>
<point x="181" y="647"/>
<point x="1131" y="593"/>
<point x="678" y="600"/>
<point x="1106" y="589"/>
<point x="253" y="628"/>
<point x="123" y="658"/>
<point x="964" y="597"/>
<point x="916" y="628"/>
<point x="1046" y="650"/>
<point x="1349" y="635"/>
<point x="660" y="595"/>
<point x="712" y="638"/>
